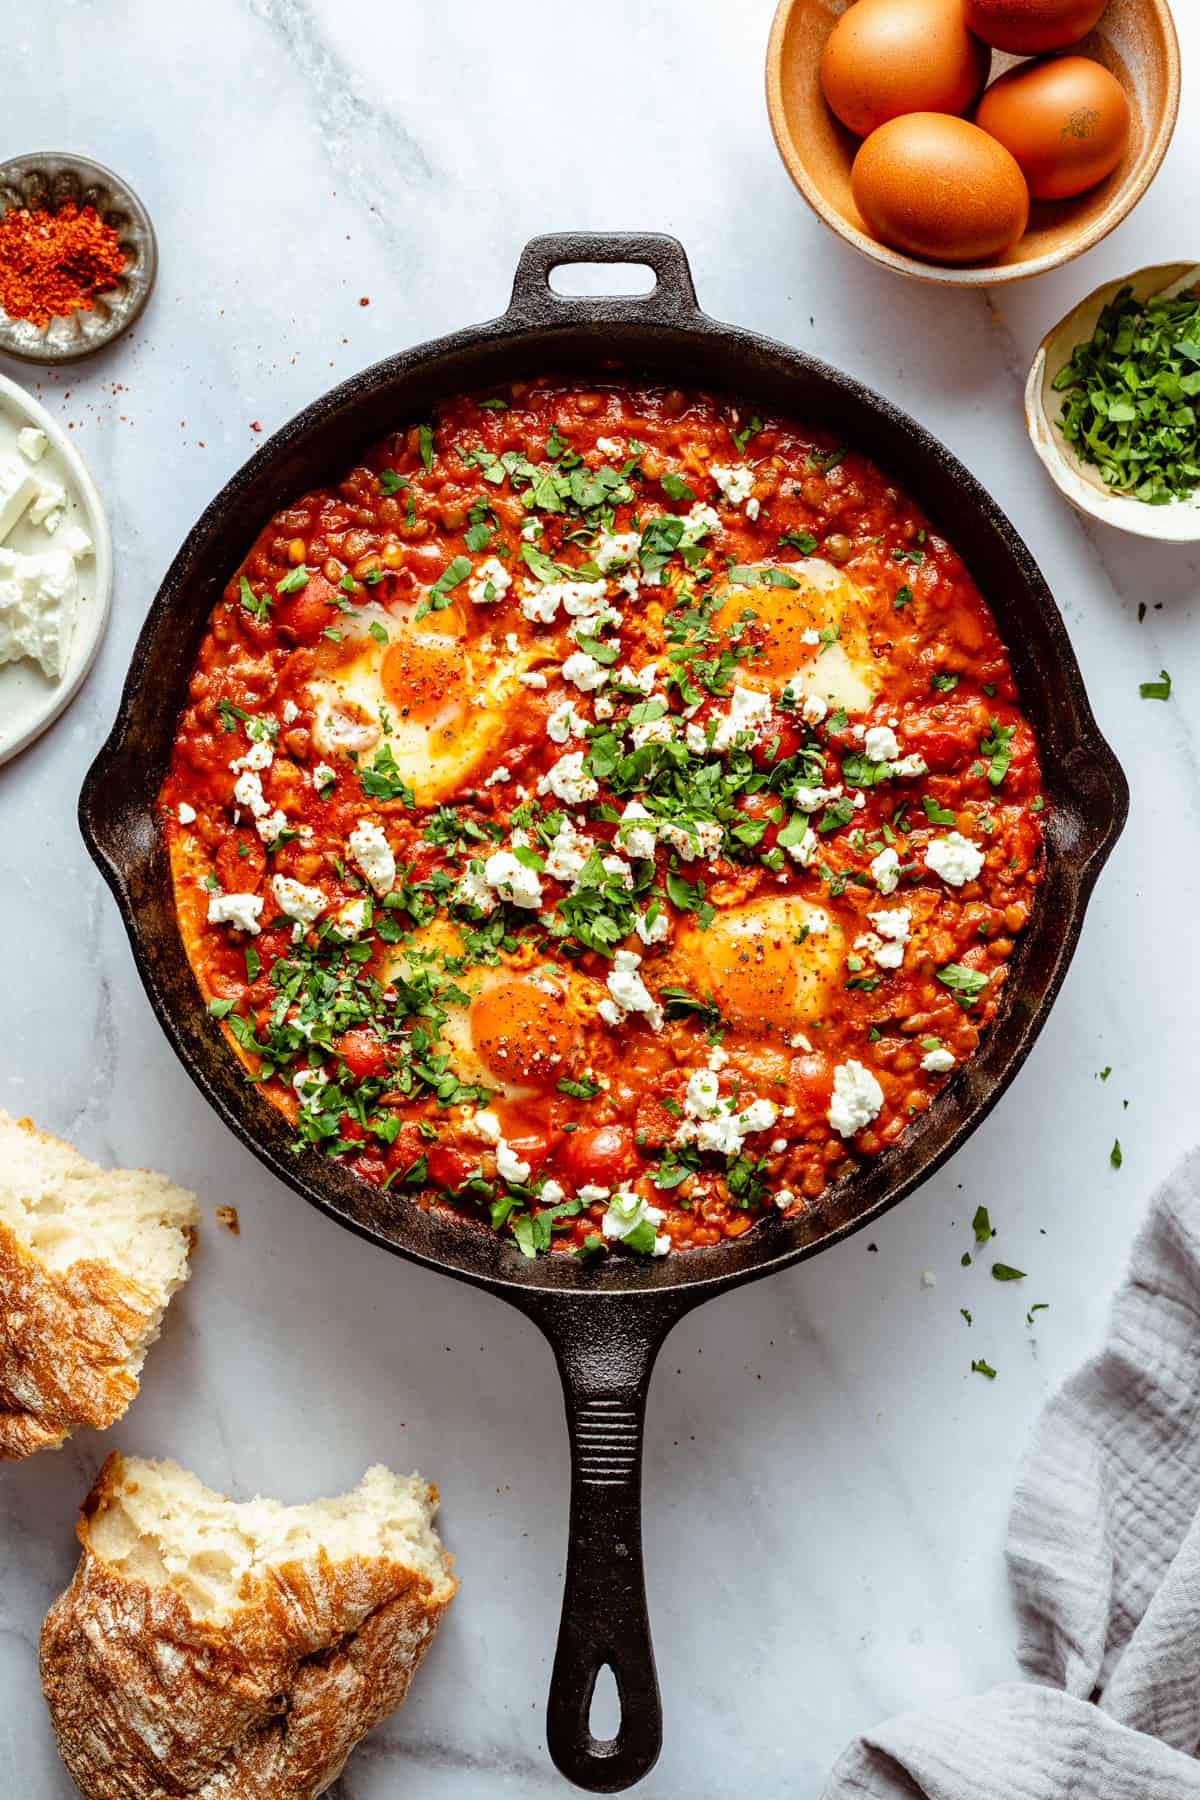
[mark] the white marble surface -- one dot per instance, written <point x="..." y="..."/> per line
<point x="825" y="1476"/>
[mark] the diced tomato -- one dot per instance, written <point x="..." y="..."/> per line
<point x="780" y="736"/>
<point x="351" y="1130"/>
<point x="362" y="1052"/>
<point x="810" y="1086"/>
<point x="371" y="1168"/>
<point x="449" y="1168"/>
<point x="306" y="614"/>
<point x="405" y="1148"/>
<point x="602" y="1156"/>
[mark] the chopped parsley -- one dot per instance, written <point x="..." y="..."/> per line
<point x="1156" y="690"/>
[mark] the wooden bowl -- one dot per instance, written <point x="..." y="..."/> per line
<point x="1135" y="39"/>
<point x="1080" y="482"/>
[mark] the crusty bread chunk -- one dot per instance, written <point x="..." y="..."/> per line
<point x="236" y="1652"/>
<point x="89" y="1258"/>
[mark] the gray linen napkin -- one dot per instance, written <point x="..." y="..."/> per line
<point x="1104" y="1559"/>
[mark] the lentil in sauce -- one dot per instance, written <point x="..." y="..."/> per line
<point x="605" y="814"/>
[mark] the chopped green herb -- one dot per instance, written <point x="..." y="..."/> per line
<point x="294" y="580"/>
<point x="1156" y="690"/>
<point x="1114" y="1156"/>
<point x="981" y="1225"/>
<point x="1006" y="1272"/>
<point x="980" y="1367"/>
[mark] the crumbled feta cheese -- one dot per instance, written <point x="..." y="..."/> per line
<point x="485" y="1125"/>
<point x="810" y="635"/>
<point x="290" y="712"/>
<point x="308" y="1084"/>
<point x="240" y="910"/>
<point x="811" y="799"/>
<point x="629" y="992"/>
<point x="48" y="504"/>
<point x="532" y="678"/>
<point x="304" y="904"/>
<point x="512" y="880"/>
<point x="589" y="1193"/>
<point x="938" y="1061"/>
<point x="260" y="755"/>
<point x="564" y="722"/>
<point x="784" y="1199"/>
<point x="323" y="775"/>
<point x="370" y="849"/>
<point x="696" y="837"/>
<point x="17" y="489"/>
<point x="928" y="1278"/>
<point x="909" y="767"/>
<point x="610" y="1012"/>
<point x="498" y="777"/>
<point x="626" y="1211"/>
<point x="271" y="826"/>
<point x="642" y="679"/>
<point x="807" y="847"/>
<point x="31" y="443"/>
<point x="699" y="522"/>
<point x="753" y="508"/>
<point x="881" y="744"/>
<point x="609" y="446"/>
<point x="735" y="481"/>
<point x="569" y="850"/>
<point x="187" y="814"/>
<point x="491" y="581"/>
<point x="473" y="890"/>
<point x="350" y="919"/>
<point x="614" y="550"/>
<point x="652" y="932"/>
<point x="885" y="869"/>
<point x="541" y="604"/>
<point x="638" y="839"/>
<point x="748" y="712"/>
<point x="248" y="792"/>
<point x="584" y="672"/>
<point x="894" y="926"/>
<point x="696" y="739"/>
<point x="566" y="780"/>
<point x="814" y="709"/>
<point x="653" y="731"/>
<point x="857" y="1098"/>
<point x="552" y="1192"/>
<point x="617" y="869"/>
<point x="510" y="1166"/>
<point x="955" y="858"/>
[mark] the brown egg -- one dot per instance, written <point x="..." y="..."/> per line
<point x="887" y="57"/>
<point x="1065" y="120"/>
<point x="1027" y="27"/>
<point x="940" y="188"/>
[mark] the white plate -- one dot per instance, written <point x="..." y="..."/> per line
<point x="28" y="700"/>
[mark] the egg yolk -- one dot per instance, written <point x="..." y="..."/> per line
<point x="768" y="962"/>
<point x="422" y="672"/>
<point x="521" y="1034"/>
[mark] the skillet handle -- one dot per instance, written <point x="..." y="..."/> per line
<point x="672" y="299"/>
<point x="605" y="1363"/>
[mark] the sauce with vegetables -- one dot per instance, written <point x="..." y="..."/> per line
<point x="605" y="814"/>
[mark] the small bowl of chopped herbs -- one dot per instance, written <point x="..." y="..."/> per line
<point x="1113" y="403"/>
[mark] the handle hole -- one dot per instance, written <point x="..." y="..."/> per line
<point x="604" y="1714"/>
<point x="581" y="280"/>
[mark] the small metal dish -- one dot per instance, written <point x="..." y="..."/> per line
<point x="1080" y="482"/>
<point x="44" y="181"/>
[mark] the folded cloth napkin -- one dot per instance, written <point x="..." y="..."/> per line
<point x="1104" y="1559"/>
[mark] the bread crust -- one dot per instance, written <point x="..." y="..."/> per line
<point x="149" y="1704"/>
<point x="67" y="1337"/>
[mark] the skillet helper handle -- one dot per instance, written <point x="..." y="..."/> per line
<point x="606" y="1377"/>
<point x="671" y="301"/>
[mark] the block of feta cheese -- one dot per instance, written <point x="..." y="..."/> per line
<point x="38" y="600"/>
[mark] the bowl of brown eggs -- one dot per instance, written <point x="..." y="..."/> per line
<point x="971" y="142"/>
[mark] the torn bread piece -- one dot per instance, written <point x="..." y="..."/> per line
<point x="236" y="1651"/>
<point x="89" y="1259"/>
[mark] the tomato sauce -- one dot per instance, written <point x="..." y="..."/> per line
<point x="605" y="814"/>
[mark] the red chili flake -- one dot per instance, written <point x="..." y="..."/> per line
<point x="254" y="425"/>
<point x="365" y="301"/>
<point x="52" y="263"/>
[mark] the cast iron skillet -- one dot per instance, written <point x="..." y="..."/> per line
<point x="606" y="1323"/>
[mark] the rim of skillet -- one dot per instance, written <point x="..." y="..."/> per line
<point x="1087" y="802"/>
